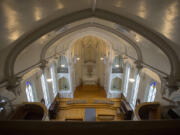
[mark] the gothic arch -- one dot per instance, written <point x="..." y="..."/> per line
<point x="58" y="22"/>
<point x="100" y="26"/>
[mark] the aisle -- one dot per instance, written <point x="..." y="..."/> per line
<point x="90" y="110"/>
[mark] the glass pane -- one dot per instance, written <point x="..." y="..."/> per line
<point x="53" y="80"/>
<point x="29" y="92"/>
<point x="135" y="91"/>
<point x="126" y="80"/>
<point x="45" y="90"/>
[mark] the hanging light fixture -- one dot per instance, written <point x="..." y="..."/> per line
<point x="62" y="65"/>
<point x="78" y="58"/>
<point x="117" y="62"/>
<point x="101" y="58"/>
<point x="132" y="80"/>
<point x="49" y="80"/>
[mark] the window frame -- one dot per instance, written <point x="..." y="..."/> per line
<point x="45" y="90"/>
<point x="135" y="91"/>
<point x="54" y="81"/>
<point x="151" y="92"/>
<point x="30" y="92"/>
<point x="126" y="79"/>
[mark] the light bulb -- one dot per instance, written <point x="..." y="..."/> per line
<point x="117" y="65"/>
<point x="62" y="65"/>
<point x="101" y="58"/>
<point x="49" y="80"/>
<point x="78" y="58"/>
<point x="131" y="80"/>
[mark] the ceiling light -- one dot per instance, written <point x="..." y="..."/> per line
<point x="117" y="65"/>
<point x="101" y="58"/>
<point x="62" y="65"/>
<point x="78" y="58"/>
<point x="132" y="80"/>
<point x="49" y="80"/>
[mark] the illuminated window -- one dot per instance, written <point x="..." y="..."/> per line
<point x="126" y="81"/>
<point x="53" y="80"/>
<point x="45" y="91"/>
<point x="135" y="91"/>
<point x="29" y="92"/>
<point x="151" y="92"/>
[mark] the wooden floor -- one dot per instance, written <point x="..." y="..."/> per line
<point x="88" y="94"/>
<point x="89" y="91"/>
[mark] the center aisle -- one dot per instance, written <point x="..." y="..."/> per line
<point x="88" y="97"/>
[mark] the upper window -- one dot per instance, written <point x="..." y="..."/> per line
<point x="126" y="79"/>
<point x="45" y="90"/>
<point x="135" y="91"/>
<point x="53" y="76"/>
<point x="29" y="92"/>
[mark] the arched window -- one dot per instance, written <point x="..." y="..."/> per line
<point x="53" y="77"/>
<point x="126" y="80"/>
<point x="135" y="91"/>
<point x="150" y="92"/>
<point x="29" y="92"/>
<point x="45" y="91"/>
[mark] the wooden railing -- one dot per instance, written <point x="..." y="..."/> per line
<point x="148" y="111"/>
<point x="161" y="127"/>
<point x="100" y="103"/>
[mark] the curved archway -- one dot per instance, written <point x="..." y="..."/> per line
<point x="155" y="37"/>
<point x="150" y="87"/>
<point x="151" y="73"/>
<point x="100" y="26"/>
<point x="30" y="73"/>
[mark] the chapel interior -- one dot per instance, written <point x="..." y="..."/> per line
<point x="89" y="66"/>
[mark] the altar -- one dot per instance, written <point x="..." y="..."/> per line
<point x="90" y="80"/>
<point x="89" y="74"/>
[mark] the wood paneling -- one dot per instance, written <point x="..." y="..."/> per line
<point x="84" y="97"/>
